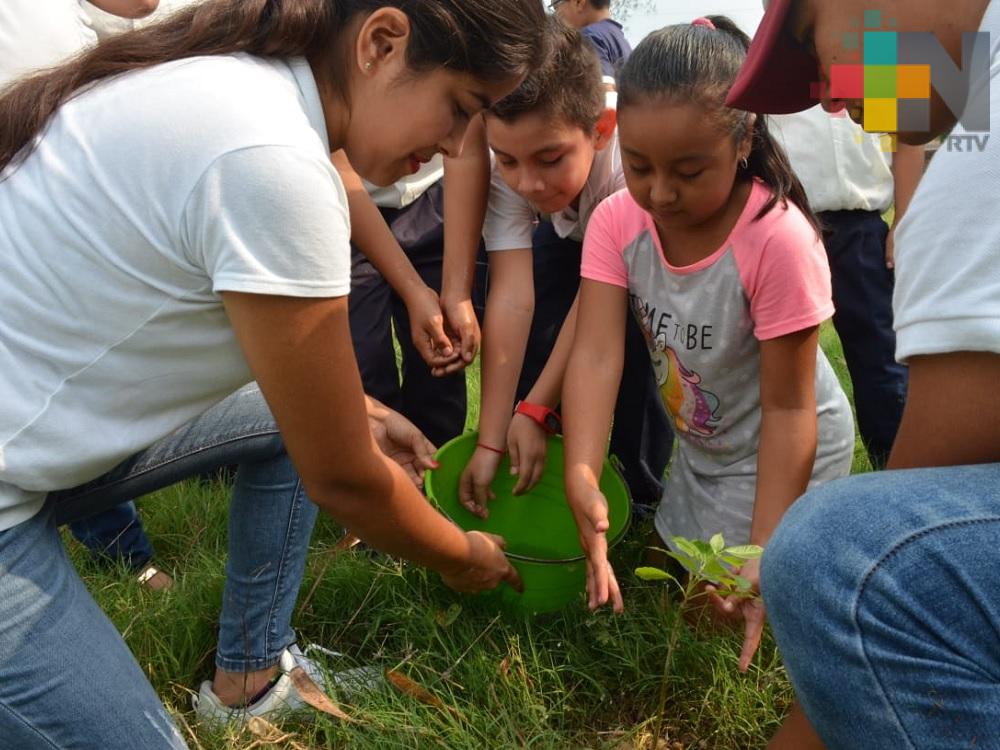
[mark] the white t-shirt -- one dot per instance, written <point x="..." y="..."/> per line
<point x="842" y="168"/>
<point x="510" y="219"/>
<point x="147" y="196"/>
<point x="403" y="192"/>
<point x="947" y="296"/>
<point x="39" y="34"/>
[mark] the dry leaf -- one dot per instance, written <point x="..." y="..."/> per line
<point x="406" y="685"/>
<point x="315" y="697"/>
<point x="347" y="541"/>
<point x="505" y="666"/>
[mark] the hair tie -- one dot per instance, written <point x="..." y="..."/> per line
<point x="706" y="22"/>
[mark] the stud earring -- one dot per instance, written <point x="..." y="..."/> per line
<point x="368" y="65"/>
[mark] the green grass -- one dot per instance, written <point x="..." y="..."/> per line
<point x="568" y="680"/>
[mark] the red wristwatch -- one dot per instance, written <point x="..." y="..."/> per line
<point x="547" y="419"/>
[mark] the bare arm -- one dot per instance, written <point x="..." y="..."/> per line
<point x="593" y="375"/>
<point x="907" y="170"/>
<point x="548" y="388"/>
<point x="127" y="8"/>
<point x="952" y="413"/>
<point x="466" y="190"/>
<point x="509" y="310"/>
<point x="371" y="234"/>
<point x="301" y="355"/>
<point x="788" y="427"/>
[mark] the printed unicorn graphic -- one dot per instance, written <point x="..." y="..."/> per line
<point x="694" y="410"/>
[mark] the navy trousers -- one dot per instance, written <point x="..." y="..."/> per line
<point x="862" y="296"/>
<point x="436" y="405"/>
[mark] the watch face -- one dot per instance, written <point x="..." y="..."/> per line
<point x="552" y="423"/>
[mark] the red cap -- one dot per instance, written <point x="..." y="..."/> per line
<point x="779" y="75"/>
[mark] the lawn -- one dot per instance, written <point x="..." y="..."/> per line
<point x="567" y="680"/>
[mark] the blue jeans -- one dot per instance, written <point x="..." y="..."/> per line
<point x="882" y="595"/>
<point x="67" y="679"/>
<point x="115" y="536"/>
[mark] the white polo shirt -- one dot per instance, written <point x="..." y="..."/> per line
<point x="842" y="168"/>
<point x="147" y="196"/>
<point x="39" y="34"/>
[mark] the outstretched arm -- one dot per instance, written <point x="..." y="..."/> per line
<point x="593" y="375"/>
<point x="371" y="234"/>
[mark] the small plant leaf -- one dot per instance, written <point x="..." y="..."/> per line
<point x="746" y="551"/>
<point x="742" y="584"/>
<point x="717" y="543"/>
<point x="705" y="551"/>
<point x="653" y="574"/>
<point x="690" y="564"/>
<point x="687" y="547"/>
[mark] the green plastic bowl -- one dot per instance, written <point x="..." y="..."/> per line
<point x="542" y="541"/>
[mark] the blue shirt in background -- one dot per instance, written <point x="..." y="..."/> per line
<point x="610" y="42"/>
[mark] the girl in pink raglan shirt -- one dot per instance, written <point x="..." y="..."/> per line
<point x="715" y="252"/>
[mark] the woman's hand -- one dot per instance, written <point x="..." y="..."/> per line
<point x="399" y="439"/>
<point x="474" y="486"/>
<point x="487" y="568"/>
<point x="527" y="443"/>
<point x="590" y="510"/>
<point x="463" y="326"/>
<point x="427" y="331"/>
<point x="751" y="609"/>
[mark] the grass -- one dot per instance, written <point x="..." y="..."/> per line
<point x="567" y="680"/>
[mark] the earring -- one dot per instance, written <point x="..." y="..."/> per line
<point x="744" y="162"/>
<point x="368" y="65"/>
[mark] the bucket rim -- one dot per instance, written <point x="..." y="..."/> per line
<point x="610" y="462"/>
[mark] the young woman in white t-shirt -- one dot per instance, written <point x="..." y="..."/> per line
<point x="170" y="228"/>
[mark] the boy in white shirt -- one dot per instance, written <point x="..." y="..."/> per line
<point x="556" y="157"/>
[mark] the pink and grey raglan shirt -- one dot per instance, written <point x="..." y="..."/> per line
<point x="703" y="324"/>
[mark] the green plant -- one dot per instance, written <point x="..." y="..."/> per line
<point x="704" y="563"/>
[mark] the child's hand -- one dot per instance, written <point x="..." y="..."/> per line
<point x="461" y="319"/>
<point x="527" y="443"/>
<point x="474" y="487"/>
<point x="590" y="509"/>
<point x="751" y="609"/>
<point x="428" y="334"/>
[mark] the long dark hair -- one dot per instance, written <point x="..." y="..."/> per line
<point x="699" y="63"/>
<point x="490" y="39"/>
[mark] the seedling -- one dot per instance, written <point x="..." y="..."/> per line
<point x="705" y="563"/>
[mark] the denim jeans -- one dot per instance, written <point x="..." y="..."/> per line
<point x="881" y="593"/>
<point x="67" y="679"/>
<point x="115" y="536"/>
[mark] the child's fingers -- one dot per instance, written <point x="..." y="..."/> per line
<point x="752" y="632"/>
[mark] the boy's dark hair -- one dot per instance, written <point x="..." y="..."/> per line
<point x="568" y="86"/>
<point x="492" y="40"/>
<point x="697" y="63"/>
<point x="600" y="4"/>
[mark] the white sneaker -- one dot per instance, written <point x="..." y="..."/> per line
<point x="283" y="698"/>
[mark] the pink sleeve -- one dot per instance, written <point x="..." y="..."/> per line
<point x="785" y="273"/>
<point x="603" y="248"/>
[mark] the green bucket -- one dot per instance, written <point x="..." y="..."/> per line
<point x="542" y="541"/>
